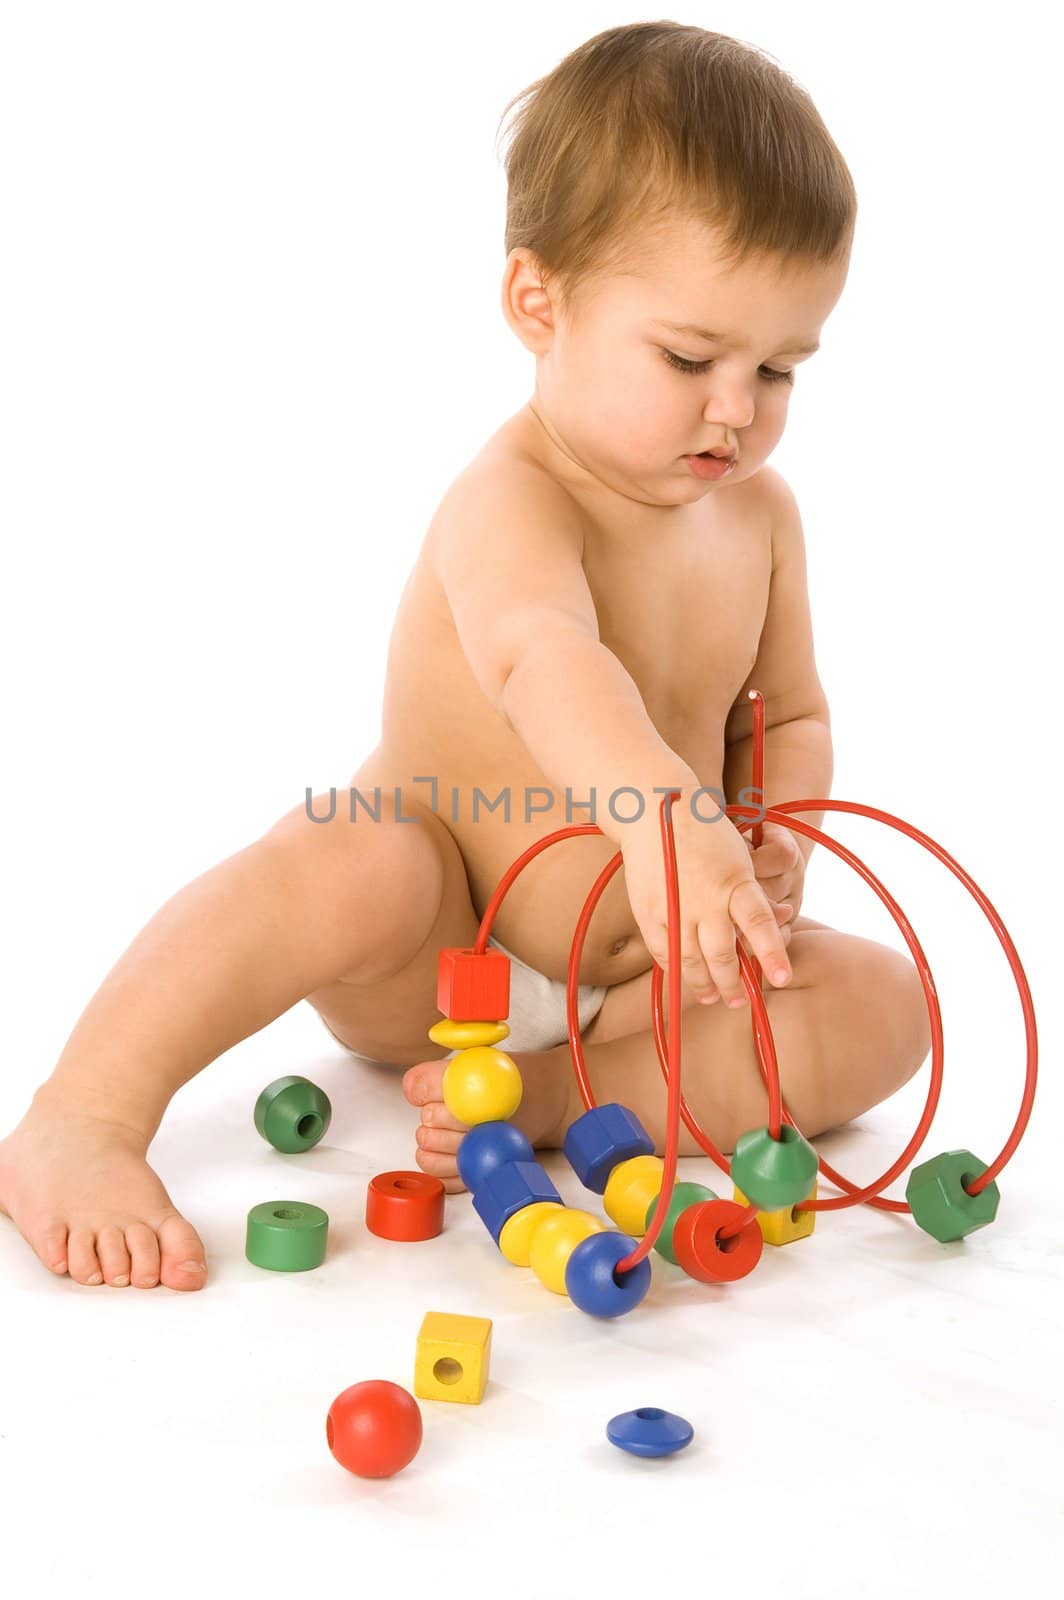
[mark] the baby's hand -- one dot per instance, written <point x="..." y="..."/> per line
<point x="440" y="1134"/>
<point x="778" y="864"/>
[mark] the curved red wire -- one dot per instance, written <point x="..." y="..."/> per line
<point x="669" y="1051"/>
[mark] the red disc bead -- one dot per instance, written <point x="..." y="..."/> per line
<point x="404" y="1205"/>
<point x="709" y="1259"/>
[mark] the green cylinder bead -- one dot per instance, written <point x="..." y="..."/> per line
<point x="940" y="1203"/>
<point x="774" y="1173"/>
<point x="292" y="1114"/>
<point x="683" y="1195"/>
<point x="286" y="1236"/>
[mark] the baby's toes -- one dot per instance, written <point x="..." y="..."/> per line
<point x="437" y="1154"/>
<point x="143" y="1245"/>
<point x="50" y="1243"/>
<point x="82" y="1262"/>
<point x="113" y="1256"/>
<point x="183" y="1264"/>
<point x="424" y="1082"/>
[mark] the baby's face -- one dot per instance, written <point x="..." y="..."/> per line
<point x="629" y="397"/>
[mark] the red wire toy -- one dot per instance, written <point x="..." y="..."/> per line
<point x="606" y="1271"/>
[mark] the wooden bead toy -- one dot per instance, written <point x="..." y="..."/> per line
<point x="515" y="1238"/>
<point x="292" y="1114"/>
<point x="600" y="1140"/>
<point x="782" y="1227"/>
<point x="453" y="1357"/>
<point x="286" y="1236"/>
<point x="774" y="1172"/>
<point x="649" y="1432"/>
<point x="774" y="1168"/>
<point x="487" y="1146"/>
<point x="472" y="987"/>
<point x="554" y="1241"/>
<point x="462" y="1035"/>
<point x="630" y="1188"/>
<point x="481" y="1084"/>
<point x="703" y="1255"/>
<point x="683" y="1195"/>
<point x="591" y="1280"/>
<point x="374" y="1428"/>
<point x="405" y="1206"/>
<point x="941" y="1205"/>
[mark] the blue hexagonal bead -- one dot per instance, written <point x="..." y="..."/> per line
<point x="507" y="1189"/>
<point x="591" y="1281"/>
<point x="940" y="1203"/>
<point x="487" y="1146"/>
<point x="602" y="1138"/>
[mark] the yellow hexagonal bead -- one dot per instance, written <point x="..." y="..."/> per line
<point x="630" y="1188"/>
<point x="554" y="1241"/>
<point x="515" y="1240"/>
<point x="781" y="1227"/>
<point x="463" y="1035"/>
<point x="482" y="1085"/>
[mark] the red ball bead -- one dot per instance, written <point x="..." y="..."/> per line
<point x="374" y="1428"/>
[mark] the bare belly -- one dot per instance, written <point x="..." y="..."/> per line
<point x="538" y="916"/>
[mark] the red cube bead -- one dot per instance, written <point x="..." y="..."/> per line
<point x="472" y="988"/>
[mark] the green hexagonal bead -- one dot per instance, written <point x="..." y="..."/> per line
<point x="292" y="1114"/>
<point x="774" y="1173"/>
<point x="286" y="1235"/>
<point x="683" y="1195"/>
<point x="940" y="1203"/>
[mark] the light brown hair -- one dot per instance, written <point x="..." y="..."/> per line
<point x="652" y="121"/>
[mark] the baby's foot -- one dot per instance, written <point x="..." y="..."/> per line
<point x="79" y="1190"/>
<point x="539" y="1116"/>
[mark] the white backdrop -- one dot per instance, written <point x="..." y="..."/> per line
<point x="249" y="301"/>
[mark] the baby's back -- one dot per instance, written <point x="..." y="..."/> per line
<point x="680" y="595"/>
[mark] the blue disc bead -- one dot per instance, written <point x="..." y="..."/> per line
<point x="649" y="1432"/>
<point x="591" y="1281"/>
<point x="487" y="1146"/>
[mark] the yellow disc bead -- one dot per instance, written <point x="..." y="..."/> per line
<point x="482" y="1085"/>
<point x="781" y="1227"/>
<point x="554" y="1241"/>
<point x="462" y="1035"/>
<point x="515" y="1240"/>
<point x="630" y="1188"/>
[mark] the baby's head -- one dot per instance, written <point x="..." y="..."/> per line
<point x="662" y="174"/>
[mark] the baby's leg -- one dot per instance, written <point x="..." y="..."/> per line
<point x="850" y="1029"/>
<point x="304" y="906"/>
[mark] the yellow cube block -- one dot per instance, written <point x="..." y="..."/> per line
<point x="781" y="1227"/>
<point x="453" y="1357"/>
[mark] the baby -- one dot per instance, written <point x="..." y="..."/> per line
<point x="598" y="591"/>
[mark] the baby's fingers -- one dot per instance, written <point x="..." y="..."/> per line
<point x="755" y="917"/>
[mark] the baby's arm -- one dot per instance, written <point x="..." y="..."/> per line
<point x="510" y="566"/>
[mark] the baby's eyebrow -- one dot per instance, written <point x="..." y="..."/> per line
<point x="696" y="332"/>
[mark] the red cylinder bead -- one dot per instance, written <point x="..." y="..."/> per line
<point x="404" y="1205"/>
<point x="709" y="1259"/>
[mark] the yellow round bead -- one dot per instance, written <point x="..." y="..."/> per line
<point x="554" y="1241"/>
<point x="482" y="1085"/>
<point x="630" y="1188"/>
<point x="515" y="1240"/>
<point x="462" y="1035"/>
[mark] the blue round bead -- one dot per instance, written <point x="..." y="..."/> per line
<point x="488" y="1146"/>
<point x="649" y="1432"/>
<point x="592" y="1284"/>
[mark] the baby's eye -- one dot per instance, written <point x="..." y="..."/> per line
<point x="770" y="374"/>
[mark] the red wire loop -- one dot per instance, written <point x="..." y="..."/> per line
<point x="669" y="1049"/>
